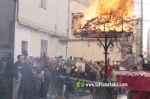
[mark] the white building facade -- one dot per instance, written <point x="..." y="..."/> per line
<point x="39" y="25"/>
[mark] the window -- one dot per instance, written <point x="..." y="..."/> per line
<point x="43" y="4"/>
<point x="44" y="46"/>
<point x="24" y="45"/>
<point x="24" y="48"/>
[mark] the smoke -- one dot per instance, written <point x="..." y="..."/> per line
<point x="91" y="1"/>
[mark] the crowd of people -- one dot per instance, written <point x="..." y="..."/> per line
<point x="30" y="76"/>
<point x="33" y="79"/>
<point x="128" y="63"/>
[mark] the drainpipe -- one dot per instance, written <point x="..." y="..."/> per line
<point x="141" y="32"/>
<point x="68" y="27"/>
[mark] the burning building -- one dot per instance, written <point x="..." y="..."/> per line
<point x="104" y="16"/>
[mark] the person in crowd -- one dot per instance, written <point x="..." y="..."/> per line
<point x="27" y="79"/>
<point x="94" y="65"/>
<point x="90" y="62"/>
<point x="72" y="59"/>
<point x="69" y="86"/>
<point x="99" y="68"/>
<point x="128" y="62"/>
<point x="18" y="71"/>
<point x="113" y="80"/>
<point x="45" y="81"/>
<point x="140" y="61"/>
<point x="114" y="73"/>
<point x="7" y="74"/>
<point x="109" y="70"/>
<point x="32" y="59"/>
<point x="69" y="64"/>
<point x="1" y="80"/>
<point x="102" y="67"/>
<point x="80" y="70"/>
<point x="37" y="76"/>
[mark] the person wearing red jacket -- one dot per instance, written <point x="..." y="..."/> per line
<point x="109" y="71"/>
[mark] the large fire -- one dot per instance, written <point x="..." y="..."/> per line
<point x="106" y="16"/>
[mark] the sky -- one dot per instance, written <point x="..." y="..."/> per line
<point x="146" y="18"/>
<point x="146" y="22"/>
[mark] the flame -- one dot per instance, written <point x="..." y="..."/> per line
<point x="106" y="15"/>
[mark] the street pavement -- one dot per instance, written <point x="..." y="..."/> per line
<point x="119" y="97"/>
<point x="86" y="97"/>
<point x="89" y="97"/>
<point x="122" y="97"/>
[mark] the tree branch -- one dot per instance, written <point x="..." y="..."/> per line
<point x="100" y="42"/>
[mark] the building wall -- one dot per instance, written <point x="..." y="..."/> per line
<point x="91" y="51"/>
<point x="38" y="23"/>
<point x="7" y="24"/>
<point x="54" y="16"/>
<point x="34" y="42"/>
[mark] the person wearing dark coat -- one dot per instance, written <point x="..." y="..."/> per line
<point x="1" y="80"/>
<point x="46" y="82"/>
<point x="18" y="67"/>
<point x="27" y="79"/>
<point x="7" y="75"/>
<point x="18" y="73"/>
